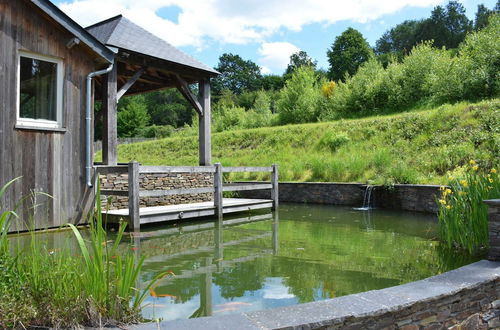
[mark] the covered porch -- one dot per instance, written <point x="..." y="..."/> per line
<point x="145" y="63"/>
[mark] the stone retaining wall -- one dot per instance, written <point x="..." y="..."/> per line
<point x="158" y="182"/>
<point x="494" y="228"/>
<point x="421" y="198"/>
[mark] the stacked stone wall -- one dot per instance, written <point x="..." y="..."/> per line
<point x="166" y="181"/>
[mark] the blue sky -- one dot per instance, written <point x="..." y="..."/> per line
<point x="264" y="31"/>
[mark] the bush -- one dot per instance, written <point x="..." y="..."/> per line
<point x="332" y="141"/>
<point x="463" y="217"/>
<point x="480" y="56"/>
<point x="299" y="99"/>
<point x="157" y="131"/>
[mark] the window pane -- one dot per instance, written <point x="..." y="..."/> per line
<point x="38" y="99"/>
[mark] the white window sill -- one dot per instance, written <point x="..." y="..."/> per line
<point x="39" y="128"/>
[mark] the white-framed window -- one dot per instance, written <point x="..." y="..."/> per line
<point x="40" y="91"/>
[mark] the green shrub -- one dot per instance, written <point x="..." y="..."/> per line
<point x="480" y="56"/>
<point x="298" y="100"/>
<point x="332" y="141"/>
<point x="463" y="217"/>
<point x="157" y="131"/>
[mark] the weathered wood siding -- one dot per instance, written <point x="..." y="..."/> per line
<point x="49" y="162"/>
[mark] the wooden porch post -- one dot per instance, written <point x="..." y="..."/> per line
<point x="134" y="223"/>
<point x="110" y="121"/>
<point x="205" y="151"/>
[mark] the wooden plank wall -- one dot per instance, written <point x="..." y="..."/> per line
<point x="49" y="162"/>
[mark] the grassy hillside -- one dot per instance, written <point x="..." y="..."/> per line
<point x="416" y="147"/>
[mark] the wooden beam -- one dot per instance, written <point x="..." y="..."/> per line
<point x="246" y="169"/>
<point x="218" y="185"/>
<point x="275" y="189"/>
<point x="110" y="118"/>
<point x="134" y="223"/>
<point x="183" y="87"/>
<point x="176" y="169"/>
<point x="204" y="133"/>
<point x="129" y="84"/>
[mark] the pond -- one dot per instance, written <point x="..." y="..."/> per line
<point x="300" y="254"/>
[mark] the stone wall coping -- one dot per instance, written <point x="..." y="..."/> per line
<point x="493" y="202"/>
<point x="358" y="184"/>
<point x="333" y="311"/>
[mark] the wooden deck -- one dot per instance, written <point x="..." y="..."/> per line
<point x="193" y="210"/>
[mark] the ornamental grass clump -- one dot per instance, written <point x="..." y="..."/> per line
<point x="44" y="285"/>
<point x="463" y="216"/>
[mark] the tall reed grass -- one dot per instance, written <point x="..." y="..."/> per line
<point x="463" y="217"/>
<point x="62" y="287"/>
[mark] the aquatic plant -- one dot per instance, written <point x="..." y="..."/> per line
<point x="463" y="217"/>
<point x="41" y="285"/>
<point x="109" y="278"/>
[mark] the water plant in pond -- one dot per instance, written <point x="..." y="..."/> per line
<point x="61" y="287"/>
<point x="463" y="218"/>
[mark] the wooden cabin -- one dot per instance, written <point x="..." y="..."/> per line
<point x="45" y="58"/>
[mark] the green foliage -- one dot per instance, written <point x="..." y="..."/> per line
<point x="399" y="39"/>
<point x="347" y="53"/>
<point x="297" y="60"/>
<point x="480" y="59"/>
<point x="132" y="118"/>
<point x="157" y="131"/>
<point x="298" y="100"/>
<point x="237" y="75"/>
<point x="56" y="288"/>
<point x="463" y="217"/>
<point x="332" y="141"/>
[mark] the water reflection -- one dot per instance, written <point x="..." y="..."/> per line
<point x="298" y="255"/>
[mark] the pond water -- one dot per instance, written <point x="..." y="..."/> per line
<point x="300" y="254"/>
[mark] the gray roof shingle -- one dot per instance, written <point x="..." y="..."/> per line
<point x="120" y="32"/>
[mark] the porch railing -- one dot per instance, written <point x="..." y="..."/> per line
<point x="134" y="170"/>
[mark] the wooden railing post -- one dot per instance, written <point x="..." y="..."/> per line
<point x="218" y="190"/>
<point x="134" y="223"/>
<point x="274" y="189"/>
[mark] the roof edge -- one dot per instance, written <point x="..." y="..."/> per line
<point x="104" y="22"/>
<point x="77" y="30"/>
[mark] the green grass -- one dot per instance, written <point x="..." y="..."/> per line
<point x="423" y="146"/>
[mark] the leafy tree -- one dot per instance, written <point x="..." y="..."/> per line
<point x="168" y="107"/>
<point x="446" y="26"/>
<point x="298" y="100"/>
<point x="347" y="53"/>
<point x="236" y="75"/>
<point x="132" y="116"/>
<point x="399" y="39"/>
<point x="272" y="82"/>
<point x="297" y="60"/>
<point x="482" y="15"/>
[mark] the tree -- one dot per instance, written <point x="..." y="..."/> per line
<point x="446" y="26"/>
<point x="132" y="116"/>
<point x="347" y="53"/>
<point x="297" y="60"/>
<point x="168" y="107"/>
<point x="399" y="39"/>
<point x="298" y="100"/>
<point x="272" y="82"/>
<point x="236" y="75"/>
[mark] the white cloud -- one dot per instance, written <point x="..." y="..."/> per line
<point x="275" y="56"/>
<point x="229" y="21"/>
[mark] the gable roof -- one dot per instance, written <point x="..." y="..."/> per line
<point x="120" y="32"/>
<point x="74" y="28"/>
